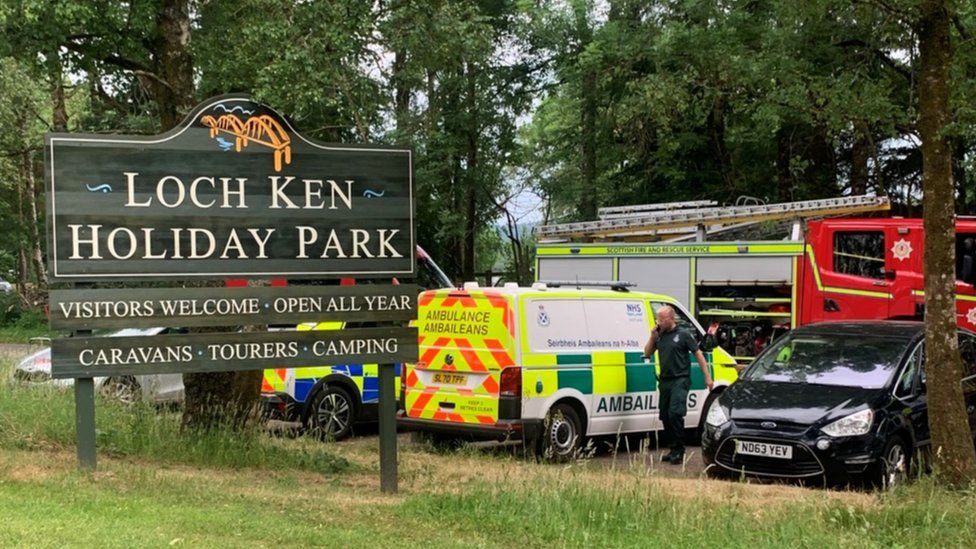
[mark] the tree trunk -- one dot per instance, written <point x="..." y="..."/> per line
<point x="860" y="154"/>
<point x="33" y="234"/>
<point x="471" y="175"/>
<point x="955" y="460"/>
<point x="588" y="186"/>
<point x="59" y="113"/>
<point x="228" y="397"/>
<point x="173" y="64"/>
<point x="588" y="107"/>
<point x="221" y="398"/>
<point x="22" y="268"/>
<point x="401" y="93"/>
<point x="784" y="177"/>
<point x="715" y="122"/>
<point x="821" y="175"/>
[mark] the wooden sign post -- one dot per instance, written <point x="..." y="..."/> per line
<point x="233" y="192"/>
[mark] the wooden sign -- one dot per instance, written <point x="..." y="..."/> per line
<point x="226" y="352"/>
<point x="234" y="191"/>
<point x="85" y="309"/>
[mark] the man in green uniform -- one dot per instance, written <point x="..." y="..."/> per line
<point x="673" y="346"/>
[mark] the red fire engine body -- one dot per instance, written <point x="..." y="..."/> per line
<point x="872" y="268"/>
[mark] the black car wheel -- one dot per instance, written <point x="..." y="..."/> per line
<point x="562" y="434"/>
<point x="331" y="414"/>
<point x="895" y="464"/>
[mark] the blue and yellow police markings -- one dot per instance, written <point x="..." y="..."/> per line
<point x="364" y="376"/>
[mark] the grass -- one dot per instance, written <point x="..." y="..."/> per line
<point x="158" y="487"/>
<point x="28" y="324"/>
<point x="42" y="418"/>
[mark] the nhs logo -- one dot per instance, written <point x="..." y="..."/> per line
<point x="635" y="310"/>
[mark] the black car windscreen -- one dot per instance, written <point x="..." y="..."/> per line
<point x="834" y="359"/>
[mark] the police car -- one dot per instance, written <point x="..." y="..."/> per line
<point x="546" y="365"/>
<point x="329" y="400"/>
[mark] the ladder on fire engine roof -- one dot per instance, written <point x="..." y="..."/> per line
<point x="653" y="223"/>
<point x="642" y="209"/>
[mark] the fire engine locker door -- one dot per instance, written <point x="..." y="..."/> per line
<point x="664" y="275"/>
<point x="572" y="268"/>
<point x="745" y="270"/>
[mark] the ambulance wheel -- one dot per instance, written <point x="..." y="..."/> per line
<point x="562" y="434"/>
<point x="332" y="413"/>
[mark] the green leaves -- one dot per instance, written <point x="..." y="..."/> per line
<point x="717" y="99"/>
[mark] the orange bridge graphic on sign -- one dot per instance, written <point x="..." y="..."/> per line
<point x="261" y="129"/>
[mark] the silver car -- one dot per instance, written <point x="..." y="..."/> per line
<point x="155" y="388"/>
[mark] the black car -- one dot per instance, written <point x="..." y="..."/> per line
<point x="841" y="402"/>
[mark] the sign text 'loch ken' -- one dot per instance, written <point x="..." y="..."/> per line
<point x="233" y="191"/>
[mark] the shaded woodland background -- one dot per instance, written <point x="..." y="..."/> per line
<point x="520" y="112"/>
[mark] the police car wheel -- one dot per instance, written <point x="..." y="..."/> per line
<point x="332" y="413"/>
<point x="562" y="434"/>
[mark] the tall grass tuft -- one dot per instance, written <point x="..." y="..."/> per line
<point x="569" y="513"/>
<point x="40" y="417"/>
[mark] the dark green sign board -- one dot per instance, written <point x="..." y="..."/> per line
<point x="84" y="309"/>
<point x="225" y="352"/>
<point x="234" y="191"/>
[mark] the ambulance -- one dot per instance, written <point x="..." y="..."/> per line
<point x="547" y="365"/>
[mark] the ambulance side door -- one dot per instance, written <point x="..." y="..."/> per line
<point x="623" y="385"/>
<point x="556" y="365"/>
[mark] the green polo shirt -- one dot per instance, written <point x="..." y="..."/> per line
<point x="673" y="348"/>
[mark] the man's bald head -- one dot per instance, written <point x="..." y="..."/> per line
<point x="665" y="317"/>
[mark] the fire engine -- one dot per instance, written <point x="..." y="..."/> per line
<point x="749" y="290"/>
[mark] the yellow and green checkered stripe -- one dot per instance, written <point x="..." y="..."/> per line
<point x="598" y="373"/>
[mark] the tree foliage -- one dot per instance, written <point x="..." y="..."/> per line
<point x="584" y="103"/>
<point x="778" y="100"/>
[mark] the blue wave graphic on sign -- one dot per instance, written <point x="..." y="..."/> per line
<point x="103" y="188"/>
<point x="224" y="144"/>
<point x="373" y="194"/>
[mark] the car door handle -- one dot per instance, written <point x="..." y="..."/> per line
<point x="880" y="283"/>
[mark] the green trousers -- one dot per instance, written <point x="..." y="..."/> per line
<point x="673" y="407"/>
